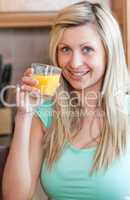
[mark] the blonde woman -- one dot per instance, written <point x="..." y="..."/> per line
<point x="82" y="150"/>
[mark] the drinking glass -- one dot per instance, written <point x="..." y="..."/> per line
<point x="48" y="77"/>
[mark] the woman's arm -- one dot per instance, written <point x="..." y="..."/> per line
<point x="24" y="160"/>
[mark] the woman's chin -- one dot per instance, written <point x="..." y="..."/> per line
<point x="78" y="86"/>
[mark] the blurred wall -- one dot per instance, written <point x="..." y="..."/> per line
<point x="21" y="47"/>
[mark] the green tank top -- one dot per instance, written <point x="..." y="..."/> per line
<point x="69" y="178"/>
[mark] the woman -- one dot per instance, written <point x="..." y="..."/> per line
<point x="83" y="152"/>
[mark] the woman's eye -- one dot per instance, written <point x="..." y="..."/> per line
<point x="64" y="49"/>
<point x="87" y="50"/>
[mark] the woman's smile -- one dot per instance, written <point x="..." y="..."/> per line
<point x="77" y="75"/>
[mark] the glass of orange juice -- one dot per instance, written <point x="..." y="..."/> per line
<point x="48" y="77"/>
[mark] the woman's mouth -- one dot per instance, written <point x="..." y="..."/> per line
<point x="77" y="75"/>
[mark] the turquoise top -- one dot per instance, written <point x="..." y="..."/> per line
<point x="69" y="178"/>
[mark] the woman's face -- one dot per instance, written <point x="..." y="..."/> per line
<point x="82" y="55"/>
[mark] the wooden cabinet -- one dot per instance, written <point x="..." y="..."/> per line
<point x="31" y="13"/>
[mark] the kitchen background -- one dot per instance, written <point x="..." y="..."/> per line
<point x="20" y="46"/>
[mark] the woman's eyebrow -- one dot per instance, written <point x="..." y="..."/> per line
<point x="63" y="44"/>
<point x="82" y="44"/>
<point x="86" y="43"/>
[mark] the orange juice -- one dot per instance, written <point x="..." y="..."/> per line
<point x="47" y="83"/>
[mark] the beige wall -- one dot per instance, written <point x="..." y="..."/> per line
<point x="21" y="47"/>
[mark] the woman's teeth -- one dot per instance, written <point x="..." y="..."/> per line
<point x="78" y="73"/>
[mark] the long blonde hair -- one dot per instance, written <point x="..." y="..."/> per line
<point x="115" y="130"/>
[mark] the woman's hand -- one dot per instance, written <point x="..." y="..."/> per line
<point x="27" y="95"/>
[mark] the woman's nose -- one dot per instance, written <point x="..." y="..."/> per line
<point x="76" y="60"/>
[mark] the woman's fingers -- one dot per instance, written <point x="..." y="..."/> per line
<point x="28" y="88"/>
<point x="33" y="92"/>
<point x="28" y="72"/>
<point x="29" y="81"/>
<point x="27" y="101"/>
<point x="27" y="95"/>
